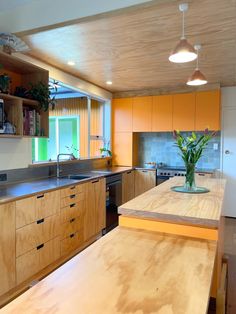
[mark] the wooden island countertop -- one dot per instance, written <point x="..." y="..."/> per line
<point x="191" y="215"/>
<point x="164" y="204"/>
<point x="127" y="271"/>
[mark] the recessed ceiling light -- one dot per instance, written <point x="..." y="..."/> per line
<point x="109" y="82"/>
<point x="71" y="63"/>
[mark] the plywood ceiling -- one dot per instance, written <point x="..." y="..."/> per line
<point x="131" y="47"/>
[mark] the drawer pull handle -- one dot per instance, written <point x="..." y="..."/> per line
<point x="95" y="181"/>
<point x="40" y="196"/>
<point x="72" y="205"/>
<point x="40" y="246"/>
<point x="72" y="235"/>
<point x="72" y="220"/>
<point x="40" y="221"/>
<point x="72" y="187"/>
<point x="144" y="170"/>
<point x="128" y="172"/>
<point x="72" y="196"/>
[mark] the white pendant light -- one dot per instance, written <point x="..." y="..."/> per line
<point x="197" y="78"/>
<point x="184" y="51"/>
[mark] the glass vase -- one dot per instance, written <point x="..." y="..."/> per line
<point x="190" y="177"/>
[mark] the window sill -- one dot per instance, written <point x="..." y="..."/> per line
<point x="53" y="162"/>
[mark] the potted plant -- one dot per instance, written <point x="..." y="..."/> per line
<point x="105" y="151"/>
<point x="42" y="93"/>
<point x="72" y="150"/>
<point x="191" y="149"/>
<point x="5" y="81"/>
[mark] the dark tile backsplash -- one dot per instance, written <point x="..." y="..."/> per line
<point x="159" y="147"/>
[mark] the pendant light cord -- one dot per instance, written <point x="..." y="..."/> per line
<point x="197" y="68"/>
<point x="183" y="35"/>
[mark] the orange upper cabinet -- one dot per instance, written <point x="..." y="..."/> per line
<point x="162" y="113"/>
<point x="122" y="149"/>
<point x="122" y="114"/>
<point x="184" y="112"/>
<point x="207" y="110"/>
<point x="142" y="114"/>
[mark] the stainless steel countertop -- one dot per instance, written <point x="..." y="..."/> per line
<point x="11" y="192"/>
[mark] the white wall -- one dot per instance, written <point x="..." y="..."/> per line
<point x="15" y="153"/>
<point x="228" y="96"/>
<point x="40" y="13"/>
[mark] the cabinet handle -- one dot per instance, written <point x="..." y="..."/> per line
<point x="40" y="196"/>
<point x="144" y="170"/>
<point x="72" y="196"/>
<point x="72" y="235"/>
<point x="40" y="221"/>
<point x="128" y="172"/>
<point x="72" y="220"/>
<point x="40" y="246"/>
<point x="72" y="187"/>
<point x="72" y="205"/>
<point x="95" y="181"/>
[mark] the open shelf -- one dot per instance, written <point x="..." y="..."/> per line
<point x="30" y="121"/>
<point x="25" y="101"/>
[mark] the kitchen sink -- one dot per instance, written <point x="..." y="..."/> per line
<point x="78" y="177"/>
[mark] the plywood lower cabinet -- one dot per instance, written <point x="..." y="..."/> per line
<point x="37" y="207"/>
<point x="144" y="181"/>
<point x="95" y="213"/>
<point x="7" y="247"/>
<point x="127" y="186"/>
<point x="46" y="228"/>
<point x="35" y="260"/>
<point x="72" y="217"/>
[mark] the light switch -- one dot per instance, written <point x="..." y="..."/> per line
<point x="215" y="146"/>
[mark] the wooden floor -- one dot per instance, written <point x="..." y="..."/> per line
<point x="230" y="252"/>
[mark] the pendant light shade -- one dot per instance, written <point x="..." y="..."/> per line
<point x="184" y="51"/>
<point x="197" y="78"/>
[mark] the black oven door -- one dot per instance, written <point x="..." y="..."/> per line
<point x="161" y="179"/>
<point x="113" y="201"/>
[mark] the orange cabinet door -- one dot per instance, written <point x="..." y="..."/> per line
<point x="184" y="112"/>
<point x="207" y="110"/>
<point x="122" y="148"/>
<point x="142" y="114"/>
<point x="122" y="114"/>
<point x="162" y="113"/>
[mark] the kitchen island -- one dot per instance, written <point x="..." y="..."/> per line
<point x="192" y="215"/>
<point x="127" y="271"/>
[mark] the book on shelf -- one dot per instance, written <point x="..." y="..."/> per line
<point x="31" y="122"/>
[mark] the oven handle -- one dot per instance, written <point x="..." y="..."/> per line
<point x="164" y="177"/>
<point x="114" y="183"/>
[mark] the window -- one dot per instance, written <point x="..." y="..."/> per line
<point x="78" y="122"/>
<point x="63" y="138"/>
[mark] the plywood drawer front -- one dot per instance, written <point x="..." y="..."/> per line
<point x="74" y="189"/>
<point x="27" y="265"/>
<point x="49" y="253"/>
<point x="71" y="211"/>
<point x="70" y="227"/>
<point x="31" y="236"/>
<point x="47" y="204"/>
<point x="32" y="262"/>
<point x="71" y="243"/>
<point x="33" y="208"/>
<point x="74" y="198"/>
<point x="25" y="211"/>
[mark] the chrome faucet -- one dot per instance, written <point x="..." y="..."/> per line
<point x="58" y="160"/>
